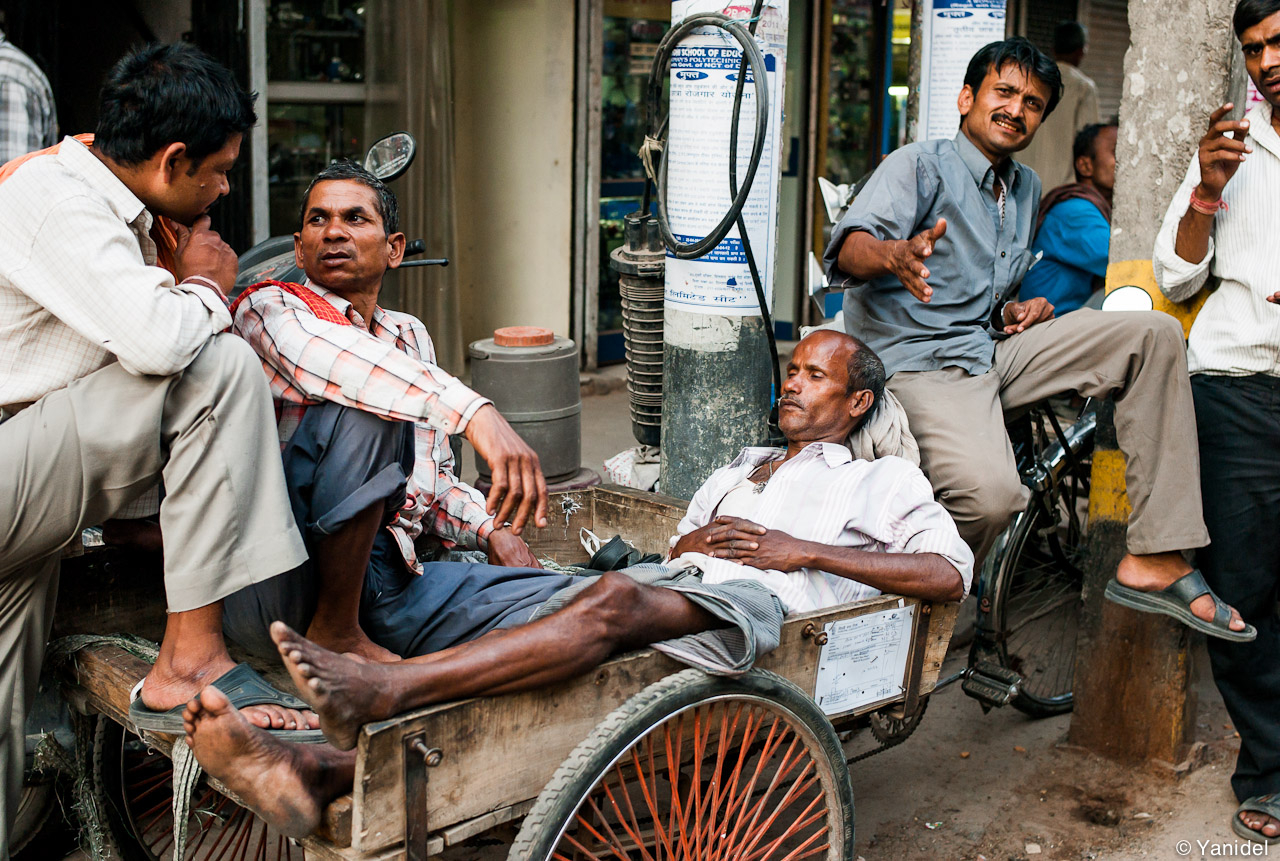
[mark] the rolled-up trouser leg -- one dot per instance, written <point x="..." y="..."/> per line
<point x="1139" y="359"/>
<point x="338" y="463"/>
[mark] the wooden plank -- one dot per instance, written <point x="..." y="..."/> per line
<point x="500" y="751"/>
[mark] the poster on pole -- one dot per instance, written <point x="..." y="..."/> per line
<point x="704" y="75"/>
<point x="953" y="31"/>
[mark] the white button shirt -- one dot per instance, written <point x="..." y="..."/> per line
<point x="79" y="287"/>
<point x="1237" y="332"/>
<point x="824" y="495"/>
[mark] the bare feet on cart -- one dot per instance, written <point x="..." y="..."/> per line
<point x="1151" y="573"/>
<point x="345" y="693"/>
<point x="286" y="784"/>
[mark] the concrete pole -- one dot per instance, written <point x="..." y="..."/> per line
<point x="1133" y="686"/>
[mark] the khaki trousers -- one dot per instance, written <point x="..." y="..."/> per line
<point x="80" y="454"/>
<point x="1138" y="358"/>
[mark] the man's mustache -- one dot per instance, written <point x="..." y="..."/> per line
<point x="788" y="400"/>
<point x="1014" y="121"/>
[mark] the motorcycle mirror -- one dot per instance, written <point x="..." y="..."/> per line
<point x="1130" y="297"/>
<point x="391" y="156"/>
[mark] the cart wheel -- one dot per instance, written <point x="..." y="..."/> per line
<point x="133" y="785"/>
<point x="35" y="805"/>
<point x="698" y="766"/>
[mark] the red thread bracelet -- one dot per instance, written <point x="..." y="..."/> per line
<point x="1203" y="206"/>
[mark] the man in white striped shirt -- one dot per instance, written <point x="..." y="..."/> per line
<point x="777" y="531"/>
<point x="1223" y="221"/>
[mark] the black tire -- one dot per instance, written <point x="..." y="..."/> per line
<point x="34" y="808"/>
<point x="1035" y="581"/>
<point x="133" y="793"/>
<point x="691" y="704"/>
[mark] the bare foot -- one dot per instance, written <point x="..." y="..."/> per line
<point x="288" y="785"/>
<point x="167" y="687"/>
<point x="352" y="642"/>
<point x="346" y="693"/>
<point x="1155" y="571"/>
<point x="1267" y="826"/>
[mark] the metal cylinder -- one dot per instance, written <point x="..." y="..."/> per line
<point x="537" y="391"/>
<point x="640" y="264"/>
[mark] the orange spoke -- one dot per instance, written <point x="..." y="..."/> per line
<point x="799" y="786"/>
<point x="613" y="837"/>
<point x="591" y="856"/>
<point x="631" y="813"/>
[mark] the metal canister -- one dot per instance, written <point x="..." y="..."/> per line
<point x="531" y="375"/>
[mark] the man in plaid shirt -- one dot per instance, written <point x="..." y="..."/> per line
<point x="364" y="417"/>
<point x="28" y="120"/>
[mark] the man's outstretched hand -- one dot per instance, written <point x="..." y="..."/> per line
<point x="906" y="260"/>
<point x="747" y="543"/>
<point x="1220" y="156"/>
<point x="519" y="489"/>
<point x="1020" y="316"/>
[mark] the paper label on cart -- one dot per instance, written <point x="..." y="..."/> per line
<point x="864" y="660"/>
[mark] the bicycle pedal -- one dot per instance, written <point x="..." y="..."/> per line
<point x="991" y="684"/>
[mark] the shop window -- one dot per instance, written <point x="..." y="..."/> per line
<point x="316" y="96"/>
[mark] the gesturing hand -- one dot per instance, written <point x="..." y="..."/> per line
<point x="201" y="251"/>
<point x="509" y="550"/>
<point x="907" y="260"/>
<point x="1020" y="316"/>
<point x="519" y="488"/>
<point x="1220" y="156"/>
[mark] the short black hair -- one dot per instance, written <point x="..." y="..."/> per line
<point x="1251" y="12"/>
<point x="1086" y="142"/>
<point x="1019" y="51"/>
<point x="1069" y="37"/>
<point x="866" y="371"/>
<point x="161" y="94"/>
<point x="346" y="169"/>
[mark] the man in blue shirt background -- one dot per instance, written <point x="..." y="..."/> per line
<point x="1074" y="227"/>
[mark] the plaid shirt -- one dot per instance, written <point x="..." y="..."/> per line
<point x="386" y="367"/>
<point x="27" y="117"/>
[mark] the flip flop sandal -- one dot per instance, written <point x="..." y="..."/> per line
<point x="1175" y="601"/>
<point x="1268" y="804"/>
<point x="243" y="687"/>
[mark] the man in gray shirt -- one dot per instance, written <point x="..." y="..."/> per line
<point x="931" y="254"/>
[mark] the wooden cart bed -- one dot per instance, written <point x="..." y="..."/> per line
<point x="491" y="756"/>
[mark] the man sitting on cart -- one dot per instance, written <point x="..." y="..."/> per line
<point x="775" y="531"/>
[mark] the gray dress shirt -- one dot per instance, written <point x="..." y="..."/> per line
<point x="975" y="268"/>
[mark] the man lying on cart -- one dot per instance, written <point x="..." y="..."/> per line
<point x="777" y="531"/>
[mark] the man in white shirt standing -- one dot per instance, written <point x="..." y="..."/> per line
<point x="114" y="377"/>
<point x="1223" y="221"/>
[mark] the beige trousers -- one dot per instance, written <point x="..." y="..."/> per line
<point x="1138" y="358"/>
<point x="77" y="456"/>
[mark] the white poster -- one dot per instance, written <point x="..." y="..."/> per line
<point x="954" y="30"/>
<point x="864" y="660"/>
<point x="704" y="74"/>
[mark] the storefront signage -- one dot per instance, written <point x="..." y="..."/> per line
<point x="953" y="31"/>
<point x="704" y="73"/>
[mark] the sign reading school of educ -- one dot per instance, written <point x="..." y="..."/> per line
<point x="953" y="31"/>
<point x="704" y="75"/>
